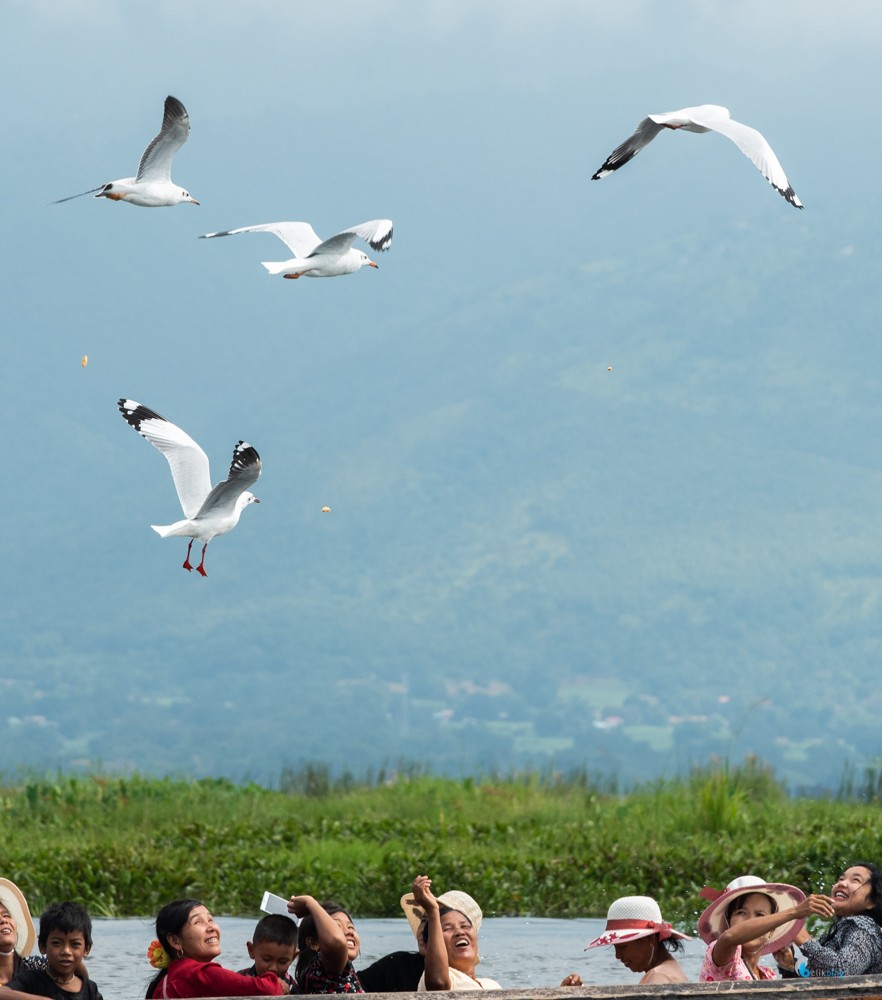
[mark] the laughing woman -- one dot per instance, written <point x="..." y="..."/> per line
<point x="853" y="944"/>
<point x="453" y="920"/>
<point x="16" y="932"/>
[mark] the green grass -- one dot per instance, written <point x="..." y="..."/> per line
<point x="525" y="844"/>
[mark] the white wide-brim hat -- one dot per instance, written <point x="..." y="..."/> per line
<point x="462" y="902"/>
<point x="632" y="917"/>
<point x="13" y="899"/>
<point x="713" y="922"/>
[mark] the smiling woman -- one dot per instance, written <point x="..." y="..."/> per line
<point x="188" y="942"/>
<point x="16" y="932"/>
<point x="452" y="923"/>
<point x="853" y="944"/>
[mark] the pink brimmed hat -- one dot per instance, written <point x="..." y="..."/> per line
<point x="713" y="922"/>
<point x="632" y="917"/>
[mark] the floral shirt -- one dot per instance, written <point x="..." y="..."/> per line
<point x="852" y="947"/>
<point x="736" y="968"/>
<point x="317" y="979"/>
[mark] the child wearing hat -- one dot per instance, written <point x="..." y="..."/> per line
<point x="746" y="920"/>
<point x="643" y="942"/>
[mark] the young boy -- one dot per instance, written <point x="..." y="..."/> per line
<point x="274" y="948"/>
<point x="65" y="939"/>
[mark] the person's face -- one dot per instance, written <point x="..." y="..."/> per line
<point x="64" y="951"/>
<point x="461" y="941"/>
<point x="637" y="955"/>
<point x="753" y="904"/>
<point x="353" y="941"/>
<point x="8" y="930"/>
<point x="852" y="893"/>
<point x="199" y="937"/>
<point x="269" y="956"/>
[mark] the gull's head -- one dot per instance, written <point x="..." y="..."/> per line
<point x="186" y="196"/>
<point x="247" y="498"/>
<point x="365" y="261"/>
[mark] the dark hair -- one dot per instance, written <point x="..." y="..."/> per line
<point x="738" y="900"/>
<point x="66" y="917"/>
<point x="308" y="930"/>
<point x="170" y="920"/>
<point x="875" y="888"/>
<point x="275" y="928"/>
<point x="671" y="944"/>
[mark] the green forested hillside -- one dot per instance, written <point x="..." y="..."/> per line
<point x="620" y="516"/>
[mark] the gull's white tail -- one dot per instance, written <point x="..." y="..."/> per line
<point x="178" y="528"/>
<point x="277" y="267"/>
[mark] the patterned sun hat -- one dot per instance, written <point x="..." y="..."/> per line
<point x="633" y="917"/>
<point x="713" y="922"/>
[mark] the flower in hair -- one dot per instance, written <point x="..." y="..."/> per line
<point x="158" y="955"/>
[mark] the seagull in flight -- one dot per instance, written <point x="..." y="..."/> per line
<point x="207" y="511"/>
<point x="152" y="187"/>
<point x="316" y="258"/>
<point x="706" y="118"/>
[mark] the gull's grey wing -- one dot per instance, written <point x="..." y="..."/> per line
<point x="244" y="472"/>
<point x="754" y="146"/>
<point x="299" y="237"/>
<point x="645" y="132"/>
<point x="156" y="160"/>
<point x="377" y="234"/>
<point x="188" y="462"/>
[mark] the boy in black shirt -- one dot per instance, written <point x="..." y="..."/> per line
<point x="65" y="939"/>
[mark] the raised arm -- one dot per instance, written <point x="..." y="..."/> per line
<point x="331" y="940"/>
<point x="755" y="927"/>
<point x="437" y="972"/>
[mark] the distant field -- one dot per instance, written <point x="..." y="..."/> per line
<point x="524" y="845"/>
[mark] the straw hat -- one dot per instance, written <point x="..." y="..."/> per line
<point x="632" y="917"/>
<point x="713" y="922"/>
<point x="13" y="899"/>
<point x="462" y="902"/>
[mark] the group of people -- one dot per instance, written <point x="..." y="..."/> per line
<point x="747" y="920"/>
<point x="752" y="918"/>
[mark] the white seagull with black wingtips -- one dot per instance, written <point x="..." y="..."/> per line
<point x="316" y="258"/>
<point x="706" y="118"/>
<point x="208" y="511"/>
<point x="152" y="186"/>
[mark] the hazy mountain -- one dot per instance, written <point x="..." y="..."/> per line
<point x="620" y="513"/>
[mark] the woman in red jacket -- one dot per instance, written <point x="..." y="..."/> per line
<point x="188" y="942"/>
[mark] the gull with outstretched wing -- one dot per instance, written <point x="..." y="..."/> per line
<point x="706" y="118"/>
<point x="317" y="258"/>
